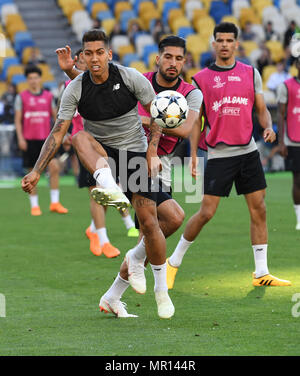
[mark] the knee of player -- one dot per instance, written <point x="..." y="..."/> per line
<point x="149" y="224"/>
<point x="54" y="167"/>
<point x="206" y="213"/>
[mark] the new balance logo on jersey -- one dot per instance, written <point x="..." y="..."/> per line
<point x="116" y="87"/>
<point x="234" y="78"/>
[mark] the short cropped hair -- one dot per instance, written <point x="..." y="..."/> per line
<point x="171" y="40"/>
<point x="226" y="27"/>
<point x="95" y="35"/>
<point x="32" y="69"/>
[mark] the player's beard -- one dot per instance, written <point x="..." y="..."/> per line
<point x="169" y="78"/>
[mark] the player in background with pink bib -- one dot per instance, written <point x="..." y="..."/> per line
<point x="34" y="109"/>
<point x="230" y="91"/>
<point x="289" y="132"/>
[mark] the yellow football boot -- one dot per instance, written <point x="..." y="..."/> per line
<point x="171" y="274"/>
<point x="269" y="280"/>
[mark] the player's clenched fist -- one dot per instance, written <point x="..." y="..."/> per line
<point x="30" y="181"/>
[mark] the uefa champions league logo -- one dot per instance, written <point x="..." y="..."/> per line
<point x="295" y="45"/>
<point x="218" y="82"/>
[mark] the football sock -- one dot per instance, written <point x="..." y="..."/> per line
<point x="102" y="234"/>
<point x="128" y="222"/>
<point x="93" y="228"/>
<point x="180" y="250"/>
<point x="54" y="195"/>
<point x="34" y="200"/>
<point x="139" y="252"/>
<point x="160" y="277"/>
<point x="117" y="289"/>
<point x="260" y="259"/>
<point x="105" y="179"/>
<point x="297" y="211"/>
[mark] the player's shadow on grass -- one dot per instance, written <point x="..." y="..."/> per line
<point x="257" y="292"/>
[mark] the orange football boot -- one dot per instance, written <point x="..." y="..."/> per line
<point x="58" y="208"/>
<point x="36" y="211"/>
<point x="110" y="251"/>
<point x="95" y="246"/>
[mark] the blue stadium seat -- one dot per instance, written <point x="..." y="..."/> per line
<point x="105" y="14"/>
<point x="50" y="85"/>
<point x="218" y="10"/>
<point x="125" y="17"/>
<point x="17" y="78"/>
<point x="148" y="49"/>
<point x="166" y="8"/>
<point x="184" y="31"/>
<point x="205" y="58"/>
<point x="128" y="58"/>
<point x="2" y="2"/>
<point x="7" y="61"/>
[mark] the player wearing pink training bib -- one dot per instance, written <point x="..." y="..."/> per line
<point x="229" y="94"/>
<point x="34" y="109"/>
<point x="289" y="132"/>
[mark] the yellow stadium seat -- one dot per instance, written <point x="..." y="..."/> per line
<point x="205" y="24"/>
<point x="139" y="65"/>
<point x="206" y="4"/>
<point x="175" y="13"/>
<point x="293" y="71"/>
<point x="190" y="73"/>
<point x="259" y="5"/>
<point x="231" y="19"/>
<point x="179" y="22"/>
<point x="196" y="46"/>
<point x="27" y="52"/>
<point x="14" y="69"/>
<point x="198" y="13"/>
<point x="98" y="7"/>
<point x="267" y="71"/>
<point x="152" y="61"/>
<point x="21" y="86"/>
<point x="69" y="10"/>
<point x="108" y="25"/>
<point x="13" y="18"/>
<point x="44" y="67"/>
<point x="249" y="46"/>
<point x="10" y="52"/>
<point x="248" y="15"/>
<point x="147" y="17"/>
<point x="63" y="3"/>
<point x="120" y="7"/>
<point x="145" y="7"/>
<point x="276" y="50"/>
<point x="3" y="88"/>
<point x="123" y="50"/>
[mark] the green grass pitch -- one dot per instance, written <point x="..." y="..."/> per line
<point x="52" y="283"/>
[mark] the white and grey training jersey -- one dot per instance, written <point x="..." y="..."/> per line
<point x="124" y="132"/>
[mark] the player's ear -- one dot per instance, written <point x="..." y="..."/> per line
<point x="237" y="45"/>
<point x="110" y="55"/>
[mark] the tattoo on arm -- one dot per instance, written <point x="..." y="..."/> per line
<point x="49" y="148"/>
<point x="155" y="133"/>
<point x="144" y="202"/>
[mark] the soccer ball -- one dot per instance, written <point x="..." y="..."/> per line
<point x="169" y="109"/>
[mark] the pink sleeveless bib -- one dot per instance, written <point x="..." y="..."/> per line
<point x="228" y="97"/>
<point x="36" y="114"/>
<point x="293" y="110"/>
<point x="167" y="143"/>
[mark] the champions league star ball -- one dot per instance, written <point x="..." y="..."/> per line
<point x="169" y="109"/>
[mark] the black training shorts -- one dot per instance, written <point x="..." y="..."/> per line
<point x="292" y="161"/>
<point x="245" y="171"/>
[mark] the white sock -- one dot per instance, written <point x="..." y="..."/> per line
<point x="260" y="259"/>
<point x="128" y="222"/>
<point x="160" y="277"/>
<point x="105" y="179"/>
<point x="139" y="252"/>
<point x="93" y="228"/>
<point x="297" y="211"/>
<point x="180" y="250"/>
<point x="54" y="195"/>
<point x="102" y="234"/>
<point x="117" y="289"/>
<point x="34" y="200"/>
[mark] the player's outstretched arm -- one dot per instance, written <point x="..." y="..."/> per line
<point x="66" y="62"/>
<point x="264" y="118"/>
<point x="48" y="151"/>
